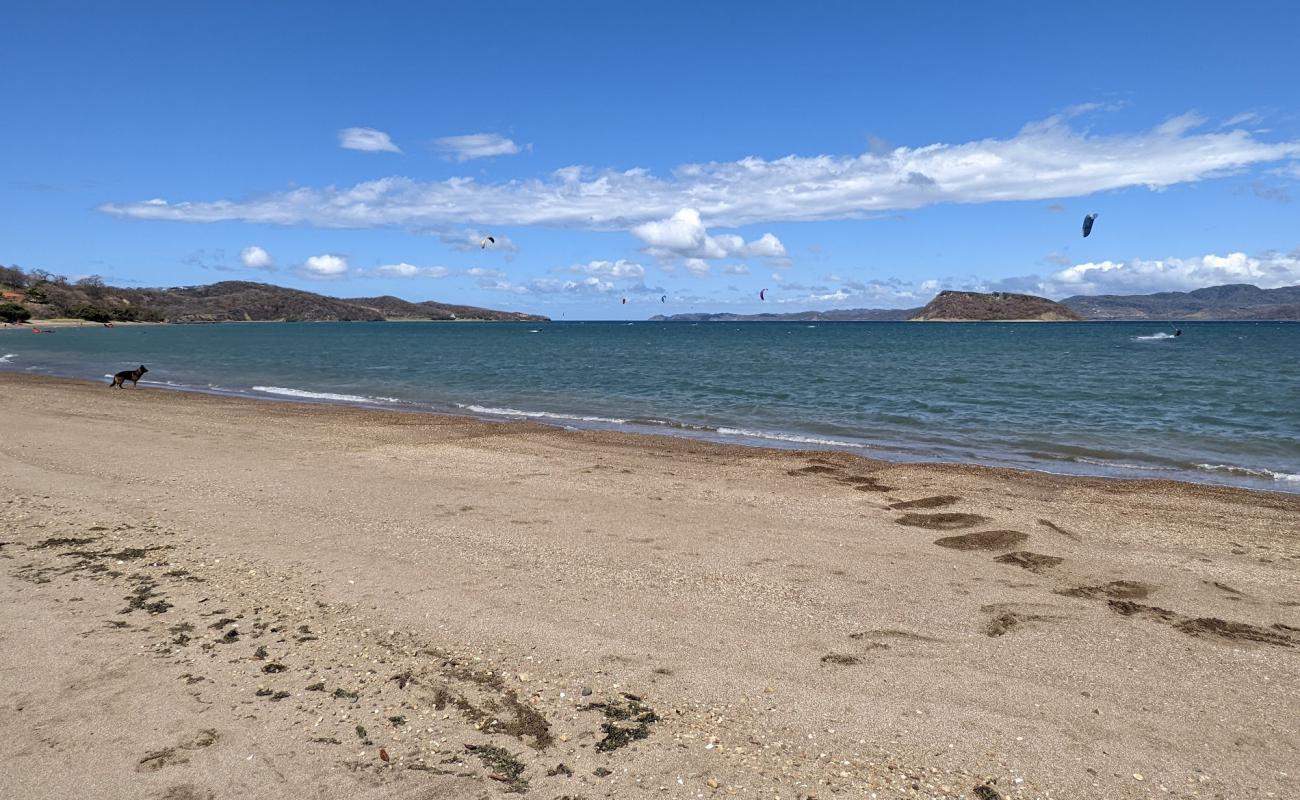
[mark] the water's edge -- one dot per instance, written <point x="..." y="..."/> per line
<point x="657" y="428"/>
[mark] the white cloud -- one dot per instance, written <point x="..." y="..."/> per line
<point x="618" y="270"/>
<point x="736" y="269"/>
<point x="255" y="257"/>
<point x="326" y="267"/>
<point x="1140" y="276"/>
<point x="698" y="267"/>
<point x="484" y="272"/>
<point x="476" y="145"/>
<point x="684" y="235"/>
<point x="1044" y="161"/>
<point x="367" y="140"/>
<point x="766" y="246"/>
<point x="404" y="270"/>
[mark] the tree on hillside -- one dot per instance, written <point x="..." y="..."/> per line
<point x="12" y="312"/>
<point x="93" y="286"/>
<point x="13" y="276"/>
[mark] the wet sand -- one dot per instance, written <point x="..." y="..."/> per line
<point x="208" y="597"/>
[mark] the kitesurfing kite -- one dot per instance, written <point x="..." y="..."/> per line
<point x="487" y="240"/>
<point x="1087" y="224"/>
<point x="624" y="301"/>
<point x="664" y="299"/>
<point x="762" y="295"/>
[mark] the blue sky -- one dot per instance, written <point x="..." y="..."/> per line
<point x="838" y="154"/>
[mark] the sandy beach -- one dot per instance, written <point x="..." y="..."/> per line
<point x="207" y="597"/>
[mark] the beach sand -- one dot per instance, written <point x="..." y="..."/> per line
<point x="207" y="597"/>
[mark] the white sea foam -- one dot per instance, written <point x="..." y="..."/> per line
<point x="7" y="358"/>
<point x="514" y="412"/>
<point x="1153" y="337"/>
<point x="1101" y="462"/>
<point x="1256" y="473"/>
<point x="339" y="398"/>
<point x="788" y="437"/>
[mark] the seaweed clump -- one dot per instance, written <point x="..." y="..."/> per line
<point x="626" y="721"/>
<point x="503" y="766"/>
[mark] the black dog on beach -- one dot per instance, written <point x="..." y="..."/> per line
<point x="132" y="375"/>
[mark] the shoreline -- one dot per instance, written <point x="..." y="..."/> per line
<point x="723" y="436"/>
<point x="489" y="600"/>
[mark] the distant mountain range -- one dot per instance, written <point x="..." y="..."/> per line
<point x="1229" y="302"/>
<point x="228" y="301"/>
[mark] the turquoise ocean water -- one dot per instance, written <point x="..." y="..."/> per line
<point x="1220" y="404"/>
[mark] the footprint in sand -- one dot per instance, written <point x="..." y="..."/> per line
<point x="815" y="469"/>
<point x="945" y="521"/>
<point x="862" y="483"/>
<point x="1034" y="562"/>
<point x="1008" y="616"/>
<point x="1210" y="627"/>
<point x="894" y="634"/>
<point x="840" y="659"/>
<point x="1115" y="590"/>
<point x="171" y="756"/>
<point x="938" y="501"/>
<point x="983" y="540"/>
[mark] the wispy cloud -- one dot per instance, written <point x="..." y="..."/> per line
<point x="476" y="145"/>
<point x="1044" y="161"/>
<point x="600" y="278"/>
<point x="1274" y="194"/>
<point x="1244" y="118"/>
<point x="367" y="140"/>
<point x="404" y="270"/>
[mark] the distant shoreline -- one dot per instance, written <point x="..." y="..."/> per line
<point x="82" y="323"/>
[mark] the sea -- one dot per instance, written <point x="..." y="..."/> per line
<point x="1218" y="404"/>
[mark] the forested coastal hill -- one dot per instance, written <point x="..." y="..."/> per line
<point x="42" y="296"/>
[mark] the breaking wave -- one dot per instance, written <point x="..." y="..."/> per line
<point x="338" y="398"/>
<point x="1254" y="473"/>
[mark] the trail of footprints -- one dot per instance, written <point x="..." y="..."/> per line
<point x="1121" y="596"/>
<point x="298" y="663"/>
